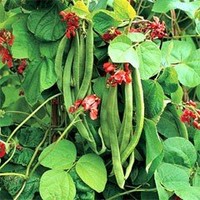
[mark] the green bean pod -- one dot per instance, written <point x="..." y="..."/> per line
<point x="104" y="118"/>
<point x="126" y="128"/>
<point x="139" y="100"/>
<point x="116" y="159"/>
<point x="64" y="43"/>
<point x="89" y="60"/>
<point x="82" y="47"/>
<point x="76" y="63"/>
<point x="68" y="94"/>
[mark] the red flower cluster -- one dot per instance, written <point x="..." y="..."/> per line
<point x="72" y="21"/>
<point x="6" y="41"/>
<point x="89" y="103"/>
<point x="153" y="30"/>
<point x="118" y="76"/>
<point x="157" y="29"/>
<point x="191" y="115"/>
<point x="2" y="149"/>
<point x="111" y="34"/>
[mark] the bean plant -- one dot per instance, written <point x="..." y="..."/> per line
<point x="99" y="99"/>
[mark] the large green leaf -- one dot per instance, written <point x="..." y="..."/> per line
<point x="104" y="20"/>
<point x="163" y="6"/>
<point x="2" y="11"/>
<point x="187" y="76"/>
<point x="44" y="77"/>
<point x="154" y="98"/>
<point x="150" y="59"/>
<point x="55" y="184"/>
<point x="120" y="50"/>
<point x="124" y="10"/>
<point x="46" y="24"/>
<point x="179" y="151"/>
<point x="184" y="58"/>
<point x="91" y="169"/>
<point x="25" y="45"/>
<point x="154" y="146"/>
<point x="59" y="155"/>
<point x="172" y="177"/>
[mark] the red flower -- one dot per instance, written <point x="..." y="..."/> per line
<point x="157" y="29"/>
<point x="72" y="21"/>
<point x="6" y="37"/>
<point x="191" y="115"/>
<point x="109" y="67"/>
<point x="6" y="57"/>
<point x="2" y="149"/>
<point x="75" y="106"/>
<point x="119" y="77"/>
<point x="111" y="34"/>
<point x="22" y="66"/>
<point x="89" y="103"/>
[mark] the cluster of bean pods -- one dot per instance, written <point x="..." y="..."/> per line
<point x="74" y="80"/>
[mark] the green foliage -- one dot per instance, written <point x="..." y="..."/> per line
<point x="59" y="155"/>
<point x="99" y="101"/>
<point x="55" y="184"/>
<point x="92" y="171"/>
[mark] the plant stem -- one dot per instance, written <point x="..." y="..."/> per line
<point x="20" y="191"/>
<point x="133" y="190"/>
<point x="13" y="174"/>
<point x="31" y="115"/>
<point x="35" y="153"/>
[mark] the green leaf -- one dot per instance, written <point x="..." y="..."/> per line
<point x="46" y="24"/>
<point x="179" y="151"/>
<point x="172" y="177"/>
<point x="120" y="50"/>
<point x="11" y="4"/>
<point x="124" y="10"/>
<point x="196" y="178"/>
<point x="22" y="156"/>
<point x="83" y="191"/>
<point x="177" y="96"/>
<point x="169" y="80"/>
<point x="80" y="9"/>
<point x="2" y="11"/>
<point x="197" y="140"/>
<point x="5" y="119"/>
<point x="99" y="86"/>
<point x="198" y="92"/>
<point x="24" y="40"/>
<point x="30" y="136"/>
<point x="188" y="193"/>
<point x="171" y="130"/>
<point x="154" y="98"/>
<point x="104" y="20"/>
<point x="44" y="77"/>
<point x="92" y="171"/>
<point x="163" y="6"/>
<point x="154" y="146"/>
<point x="11" y="95"/>
<point x="48" y="49"/>
<point x="136" y="37"/>
<point x="150" y="59"/>
<point x="59" y="155"/>
<point x="55" y="184"/>
<point x="187" y="76"/>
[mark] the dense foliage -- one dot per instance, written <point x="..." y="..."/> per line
<point x="99" y="99"/>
